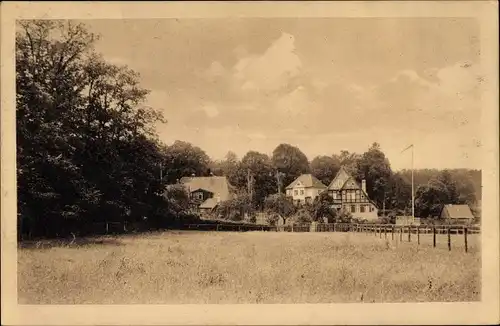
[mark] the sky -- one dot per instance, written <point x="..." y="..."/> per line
<point x="322" y="84"/>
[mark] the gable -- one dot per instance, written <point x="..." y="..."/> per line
<point x="351" y="184"/>
<point x="339" y="180"/>
<point x="200" y="190"/>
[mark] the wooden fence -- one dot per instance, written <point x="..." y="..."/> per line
<point x="407" y="233"/>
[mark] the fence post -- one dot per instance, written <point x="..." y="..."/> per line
<point x="449" y="239"/>
<point x="333" y="227"/>
<point x="107" y="228"/>
<point x="409" y="233"/>
<point x="217" y="228"/>
<point x="400" y="234"/>
<point x="465" y="238"/>
<point x="385" y="231"/>
<point x="418" y="235"/>
<point x="434" y="236"/>
<point x="392" y="232"/>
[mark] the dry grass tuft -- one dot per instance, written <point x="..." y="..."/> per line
<point x="253" y="267"/>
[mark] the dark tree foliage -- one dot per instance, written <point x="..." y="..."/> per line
<point x="291" y="161"/>
<point x="182" y="159"/>
<point x="322" y="207"/>
<point x="325" y="168"/>
<point x="86" y="150"/>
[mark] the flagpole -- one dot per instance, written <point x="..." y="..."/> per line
<point x="412" y="186"/>
<point x="412" y="181"/>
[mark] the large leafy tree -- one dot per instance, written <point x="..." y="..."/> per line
<point x="86" y="148"/>
<point x="291" y="161"/>
<point x="439" y="191"/>
<point x="325" y="168"/>
<point x="256" y="171"/>
<point x="348" y="160"/>
<point x="374" y="167"/>
<point x="183" y="159"/>
<point x="322" y="207"/>
<point x="398" y="196"/>
<point x="280" y="206"/>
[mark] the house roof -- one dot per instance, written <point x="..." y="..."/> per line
<point x="458" y="211"/>
<point x="210" y="203"/>
<point x="308" y="181"/>
<point x="344" y="180"/>
<point x="219" y="186"/>
<point x="340" y="179"/>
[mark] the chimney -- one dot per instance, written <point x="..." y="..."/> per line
<point x="363" y="185"/>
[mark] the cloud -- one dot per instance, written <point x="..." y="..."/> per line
<point x="256" y="135"/>
<point x="294" y="103"/>
<point x="451" y="88"/>
<point x="271" y="70"/>
<point x="216" y="69"/>
<point x="210" y="110"/>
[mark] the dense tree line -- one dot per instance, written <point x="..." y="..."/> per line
<point x="86" y="147"/>
<point x="87" y="151"/>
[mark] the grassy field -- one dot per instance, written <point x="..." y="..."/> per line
<point x="252" y="267"/>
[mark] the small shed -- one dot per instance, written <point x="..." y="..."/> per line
<point x="457" y="214"/>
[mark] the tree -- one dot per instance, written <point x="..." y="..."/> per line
<point x="429" y="200"/>
<point x="291" y="161"/>
<point x="226" y="167"/>
<point x="348" y="160"/>
<point x="398" y="195"/>
<point x="257" y="169"/>
<point x="325" y="168"/>
<point x="278" y="205"/>
<point x="438" y="192"/>
<point x="182" y="159"/>
<point x="236" y="209"/>
<point x="374" y="167"/>
<point x="87" y="151"/>
<point x="323" y="207"/>
<point x="303" y="216"/>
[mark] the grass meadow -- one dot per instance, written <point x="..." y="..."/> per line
<point x="251" y="267"/>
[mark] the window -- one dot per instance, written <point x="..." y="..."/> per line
<point x="371" y="209"/>
<point x="295" y="192"/>
<point x="357" y="196"/>
<point x="362" y="208"/>
<point x="353" y="208"/>
<point x="198" y="195"/>
<point x="301" y="191"/>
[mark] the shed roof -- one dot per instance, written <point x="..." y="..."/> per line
<point x="458" y="211"/>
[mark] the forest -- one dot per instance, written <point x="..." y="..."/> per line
<point x="87" y="150"/>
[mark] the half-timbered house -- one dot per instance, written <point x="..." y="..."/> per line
<point x="349" y="196"/>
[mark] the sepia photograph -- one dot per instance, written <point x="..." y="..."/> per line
<point x="250" y="160"/>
